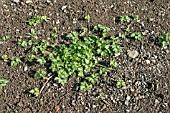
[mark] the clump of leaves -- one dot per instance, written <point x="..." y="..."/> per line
<point x="87" y="17"/>
<point x="35" y="92"/>
<point x="40" y="73"/>
<point x="136" y="35"/>
<point x="124" y="19"/>
<point x="5" y="38"/>
<point x="120" y="83"/>
<point x="164" y="39"/>
<point x="37" y="19"/>
<point x="80" y="57"/>
<point x="3" y="82"/>
<point x="4" y="57"/>
<point x="15" y="61"/>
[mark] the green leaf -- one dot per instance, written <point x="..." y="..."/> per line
<point x="85" y="86"/>
<point x="5" y="38"/>
<point x="113" y="63"/>
<point x="35" y="92"/>
<point x="87" y="17"/>
<point x="121" y="83"/>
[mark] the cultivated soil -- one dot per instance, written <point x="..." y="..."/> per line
<point x="147" y="76"/>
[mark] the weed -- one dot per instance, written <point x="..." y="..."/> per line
<point x="87" y="17"/>
<point x="120" y="83"/>
<point x="164" y="39"/>
<point x="37" y="19"/>
<point x="15" y="61"/>
<point x="5" y="38"/>
<point x="84" y="86"/>
<point x="136" y="35"/>
<point x="34" y="92"/>
<point x="122" y="35"/>
<point x="113" y="63"/>
<point x="4" y="57"/>
<point x="124" y="19"/>
<point x="40" y="73"/>
<point x="53" y="35"/>
<point x="3" y="82"/>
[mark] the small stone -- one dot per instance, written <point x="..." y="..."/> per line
<point x="58" y="21"/>
<point x="48" y="1"/>
<point x="94" y="106"/>
<point x="28" y="1"/>
<point x="128" y="98"/>
<point x="126" y="102"/>
<point x="133" y="53"/>
<point x="16" y="1"/>
<point x="147" y="61"/>
<point x="156" y="101"/>
<point x="25" y="68"/>
<point x="63" y="7"/>
<point x="74" y="20"/>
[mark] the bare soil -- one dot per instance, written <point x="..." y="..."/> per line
<point x="148" y="84"/>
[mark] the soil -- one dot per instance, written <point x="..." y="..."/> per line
<point x="147" y="77"/>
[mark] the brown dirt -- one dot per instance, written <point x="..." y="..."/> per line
<point x="147" y="84"/>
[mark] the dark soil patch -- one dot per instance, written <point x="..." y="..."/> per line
<point x="148" y="85"/>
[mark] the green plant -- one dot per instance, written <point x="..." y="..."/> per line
<point x="136" y="17"/>
<point x="5" y="38"/>
<point x="37" y="19"/>
<point x="32" y="34"/>
<point x="80" y="56"/>
<point x="136" y="35"/>
<point x="34" y="92"/>
<point x="41" y="60"/>
<point x="3" y="82"/>
<point x="84" y="86"/>
<point x="122" y="35"/>
<point x="120" y="83"/>
<point x="124" y="19"/>
<point x="40" y="73"/>
<point x="31" y="57"/>
<point x="53" y="35"/>
<point x="87" y="17"/>
<point x="4" y="57"/>
<point x="113" y="63"/>
<point x="15" y="61"/>
<point x="164" y="39"/>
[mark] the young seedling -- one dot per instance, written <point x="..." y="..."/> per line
<point x="5" y="38"/>
<point x="41" y="60"/>
<point x="121" y="83"/>
<point x="124" y="19"/>
<point x="35" y="92"/>
<point x="113" y="63"/>
<point x="32" y="34"/>
<point x="164" y="39"/>
<point x="87" y="17"/>
<point x="4" y="57"/>
<point x="37" y="19"/>
<point x="53" y="35"/>
<point x="15" y="61"/>
<point x="122" y="35"/>
<point x="85" y="86"/>
<point x="3" y="82"/>
<point x="136" y="35"/>
<point x="40" y="73"/>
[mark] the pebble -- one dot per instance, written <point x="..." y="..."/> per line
<point x="63" y="7"/>
<point x="147" y="61"/>
<point x="133" y="53"/>
<point x="28" y="1"/>
<point x="25" y="68"/>
<point x="16" y="1"/>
